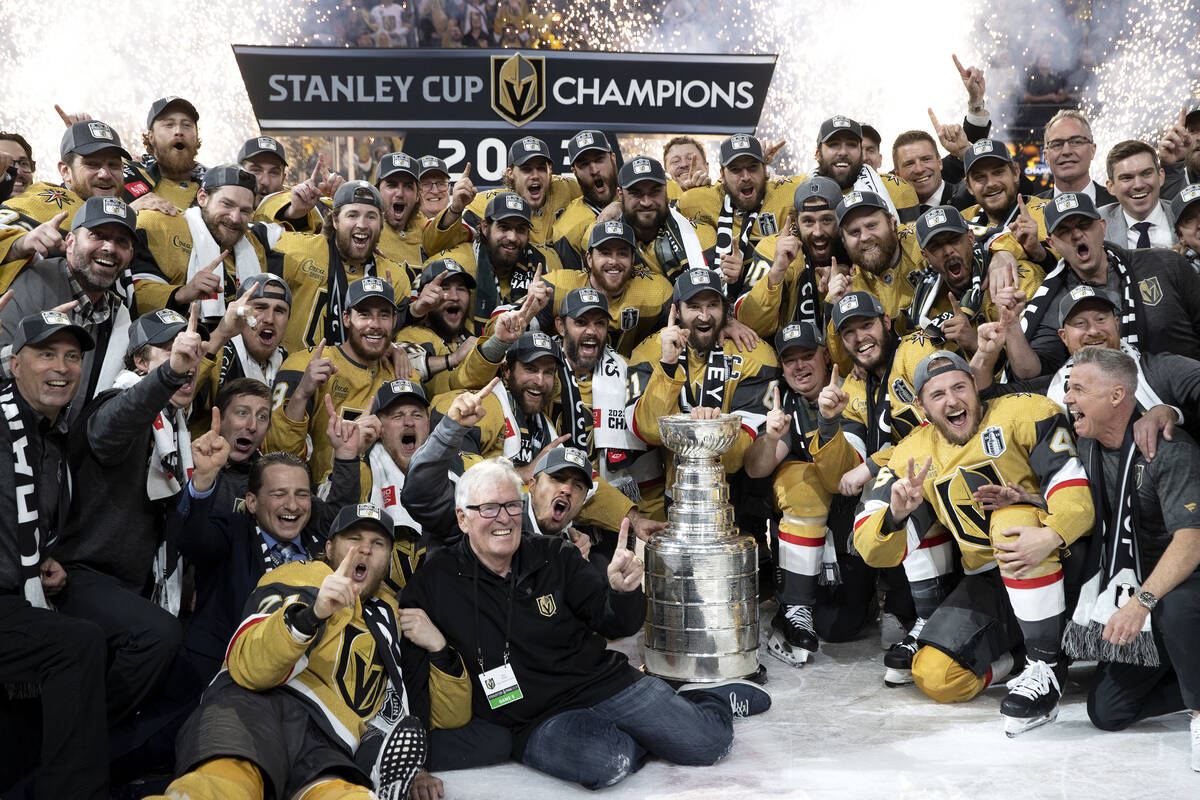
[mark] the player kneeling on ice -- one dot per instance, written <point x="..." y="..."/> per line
<point x="1012" y="592"/>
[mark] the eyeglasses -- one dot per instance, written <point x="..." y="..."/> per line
<point x="1054" y="145"/>
<point x="492" y="510"/>
<point x="435" y="184"/>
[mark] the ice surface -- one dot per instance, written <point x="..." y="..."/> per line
<point x="834" y="730"/>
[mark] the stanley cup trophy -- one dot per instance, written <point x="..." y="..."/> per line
<point x="701" y="575"/>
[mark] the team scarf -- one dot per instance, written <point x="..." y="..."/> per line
<point x="524" y="437"/>
<point x="169" y="469"/>
<point x="1133" y="316"/>
<point x="387" y="484"/>
<point x="596" y="427"/>
<point x="879" y="404"/>
<point x="381" y="622"/>
<point x="236" y="362"/>
<point x="725" y="240"/>
<point x="1114" y="566"/>
<point x="205" y="250"/>
<point x="487" y="285"/>
<point x="807" y="305"/>
<point x="1145" y="395"/>
<point x="273" y="556"/>
<point x="712" y="387"/>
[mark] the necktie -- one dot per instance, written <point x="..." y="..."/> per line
<point x="1143" y="231"/>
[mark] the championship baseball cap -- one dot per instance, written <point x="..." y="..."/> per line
<point x="641" y="168"/>
<point x="584" y="141"/>
<point x="1068" y="204"/>
<point x="940" y="219"/>
<point x="563" y="458"/>
<point x="352" y="192"/>
<point x="853" y="201"/>
<point x="367" y="288"/>
<point x="264" y="284"/>
<point x="228" y="175"/>
<point x="693" y="282"/>
<point x="260" y="145"/>
<point x="508" y="205"/>
<point x="582" y="300"/>
<point x="394" y="391"/>
<point x="925" y="370"/>
<point x="396" y="163"/>
<point x="428" y="164"/>
<point x="155" y="327"/>
<point x="1192" y="118"/>
<point x="611" y="229"/>
<point x="41" y="326"/>
<point x="741" y="144"/>
<point x="529" y="147"/>
<point x="817" y="187"/>
<point x="856" y="304"/>
<point x="90" y="136"/>
<point x="532" y="345"/>
<point x="359" y="513"/>
<point x="1083" y="293"/>
<point x="797" y="334"/>
<point x="1187" y="197"/>
<point x="163" y="104"/>
<point x="98" y="211"/>
<point x="440" y="265"/>
<point x="986" y="148"/>
<point x="837" y="124"/>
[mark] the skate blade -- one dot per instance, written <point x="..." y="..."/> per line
<point x="897" y="677"/>
<point x="793" y="656"/>
<point x="1015" y="726"/>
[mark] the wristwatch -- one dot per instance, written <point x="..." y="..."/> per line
<point x="1147" y="599"/>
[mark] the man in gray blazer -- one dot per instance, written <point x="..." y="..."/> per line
<point x="1140" y="218"/>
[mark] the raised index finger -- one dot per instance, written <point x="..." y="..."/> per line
<point x="623" y="536"/>
<point x="485" y="391"/>
<point x="62" y="115"/>
<point x="778" y="402"/>
<point x="319" y="170"/>
<point x="961" y="71"/>
<point x="193" y="318"/>
<point x="216" y="420"/>
<point x="344" y="569"/>
<point x="218" y="260"/>
<point x="1182" y="116"/>
<point x="671" y="316"/>
<point x="320" y="351"/>
<point x="833" y="376"/>
<point x="466" y="173"/>
<point x="933" y="119"/>
<point x="790" y="222"/>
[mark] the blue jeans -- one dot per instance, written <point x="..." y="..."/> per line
<point x="599" y="746"/>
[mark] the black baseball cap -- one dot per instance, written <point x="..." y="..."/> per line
<point x="267" y="285"/>
<point x="394" y="391"/>
<point x="155" y="327"/>
<point x="986" y="148"/>
<point x="532" y="345"/>
<point x="584" y="141"/>
<point x="352" y="192"/>
<point x="856" y="304"/>
<point x="1083" y="293"/>
<point x="260" y="145"/>
<point x="228" y="175"/>
<point x="90" y="136"/>
<point x="925" y="371"/>
<point x="693" y="282"/>
<point x="798" y="334"/>
<point x="611" y="229"/>
<point x="508" y="205"/>
<point x="563" y="458"/>
<point x="582" y="300"/>
<point x="41" y="326"/>
<point x="741" y="144"/>
<point x="430" y="164"/>
<point x="641" y="168"/>
<point x="1068" y="204"/>
<point x="817" y="187"/>
<point x="940" y="219"/>
<point x="394" y="163"/>
<point x="837" y="124"/>
<point x="162" y="104"/>
<point x="360" y="513"/>
<point x="853" y="201"/>
<point x="1187" y="197"/>
<point x="98" y="211"/>
<point x="446" y="264"/>
<point x="367" y="288"/>
<point x="529" y="147"/>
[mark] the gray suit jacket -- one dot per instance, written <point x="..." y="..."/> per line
<point x="1118" y="232"/>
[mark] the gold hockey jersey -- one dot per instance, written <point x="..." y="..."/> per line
<point x="559" y="195"/>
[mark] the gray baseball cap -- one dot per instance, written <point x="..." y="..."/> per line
<point x="508" y="205"/>
<point x="925" y="370"/>
<point x="817" y="187"/>
<point x="41" y="326"/>
<point x="856" y="304"/>
<point x="798" y="334"/>
<point x="1084" y="293"/>
<point x="835" y="125"/>
<point x="90" y="136"/>
<point x="564" y="458"/>
<point x="260" y="145"/>
<point x="359" y="513"/>
<point x="853" y="201"/>
<point x="941" y="219"/>
<point x="582" y="300"/>
<point x="155" y="327"/>
<point x="1068" y="204"/>
<point x="98" y="211"/>
<point x="352" y="192"/>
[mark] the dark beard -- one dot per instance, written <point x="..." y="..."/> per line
<point x="845" y="183"/>
<point x="647" y="234"/>
<point x="175" y="162"/>
<point x="886" y="258"/>
<point x="753" y="205"/>
<point x="439" y="326"/>
<point x="578" y="364"/>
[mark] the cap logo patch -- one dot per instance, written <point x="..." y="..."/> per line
<point x="641" y="166"/>
<point x="100" y="131"/>
<point x="848" y="303"/>
<point x="792" y="332"/>
<point x="589" y="296"/>
<point x="700" y="276"/>
<point x="542" y="341"/>
<point x="372" y="285"/>
<point x="584" y="139"/>
<point x="55" y="318"/>
<point x="267" y="143"/>
<point x="1082" y="290"/>
<point x="452" y="265"/>
<point x="115" y="207"/>
<point x="614" y="226"/>
<point x="934" y="217"/>
<point x="576" y="457"/>
<point x="514" y="202"/>
<point x="400" y="160"/>
<point x="168" y="316"/>
<point x="739" y="142"/>
<point x="852" y="199"/>
<point x="429" y="161"/>
<point x="982" y="146"/>
<point x="1190" y="193"/>
<point x="368" y="510"/>
<point x="1065" y="202"/>
<point x="531" y="143"/>
<point x="841" y="122"/>
<point x="399" y="386"/>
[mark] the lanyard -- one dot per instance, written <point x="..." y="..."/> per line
<point x="507" y="615"/>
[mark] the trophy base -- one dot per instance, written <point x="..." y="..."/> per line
<point x="698" y="668"/>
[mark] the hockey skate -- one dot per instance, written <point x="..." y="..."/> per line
<point x="793" y="640"/>
<point x="1032" y="698"/>
<point x="899" y="658"/>
<point x="400" y="759"/>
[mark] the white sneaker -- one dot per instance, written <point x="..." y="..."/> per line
<point x="1195" y="728"/>
<point x="891" y="632"/>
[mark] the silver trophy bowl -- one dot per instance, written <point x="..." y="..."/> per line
<point x="701" y="574"/>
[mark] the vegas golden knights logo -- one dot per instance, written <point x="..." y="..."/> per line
<point x="546" y="605"/>
<point x="518" y="87"/>
<point x="360" y="679"/>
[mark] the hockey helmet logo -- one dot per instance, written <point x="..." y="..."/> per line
<point x="739" y="141"/>
<point x="99" y="130"/>
<point x="935" y="217"/>
<point x="1151" y="289"/>
<point x="641" y="166"/>
<point x="1066" y="202"/>
<point x="992" y="440"/>
<point x="115" y="207"/>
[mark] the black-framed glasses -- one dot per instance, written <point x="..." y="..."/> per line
<point x="1055" y="145"/>
<point x="492" y="510"/>
<point x="435" y="184"/>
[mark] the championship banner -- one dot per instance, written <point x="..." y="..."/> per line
<point x="330" y="90"/>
